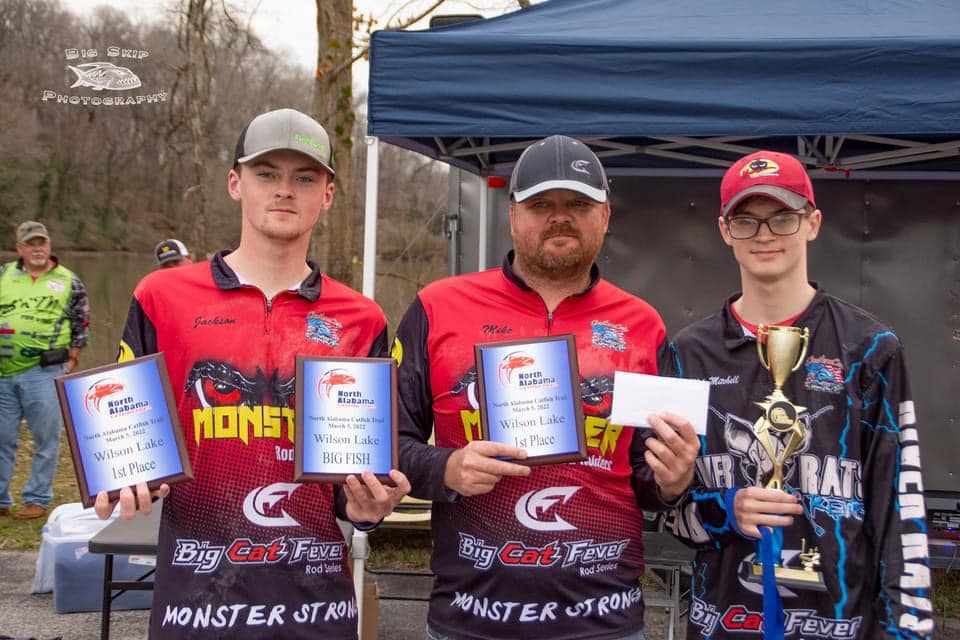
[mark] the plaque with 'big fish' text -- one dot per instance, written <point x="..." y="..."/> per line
<point x="529" y="396"/>
<point x="122" y="426"/>
<point x="345" y="418"/>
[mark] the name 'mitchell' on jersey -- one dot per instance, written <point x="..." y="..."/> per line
<point x="856" y="474"/>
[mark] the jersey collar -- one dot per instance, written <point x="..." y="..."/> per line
<point x="733" y="333"/>
<point x="225" y="278"/>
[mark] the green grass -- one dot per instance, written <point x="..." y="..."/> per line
<point x="25" y="534"/>
<point x="400" y="549"/>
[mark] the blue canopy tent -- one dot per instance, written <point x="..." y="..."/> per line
<point x="631" y="69"/>
<point x="854" y="88"/>
<point x="666" y="87"/>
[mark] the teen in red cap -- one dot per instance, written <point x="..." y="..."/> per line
<point x="851" y="489"/>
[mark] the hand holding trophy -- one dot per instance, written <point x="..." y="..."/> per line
<point x="781" y="351"/>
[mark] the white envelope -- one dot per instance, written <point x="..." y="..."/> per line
<point x="637" y="395"/>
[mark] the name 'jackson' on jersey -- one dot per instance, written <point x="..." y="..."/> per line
<point x="556" y="554"/>
<point x="244" y="551"/>
<point x="856" y="474"/>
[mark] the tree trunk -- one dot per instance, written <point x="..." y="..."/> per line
<point x="332" y="104"/>
<point x="195" y="27"/>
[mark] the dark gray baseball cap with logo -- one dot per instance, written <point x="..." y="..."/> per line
<point x="284" y="129"/>
<point x="558" y="162"/>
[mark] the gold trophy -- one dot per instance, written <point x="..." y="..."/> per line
<point x="781" y="351"/>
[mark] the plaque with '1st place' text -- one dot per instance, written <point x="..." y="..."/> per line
<point x="122" y="427"/>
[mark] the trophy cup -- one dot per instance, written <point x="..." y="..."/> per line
<point x="781" y="351"/>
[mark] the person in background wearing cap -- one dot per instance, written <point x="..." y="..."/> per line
<point x="551" y="551"/>
<point x="172" y="253"/>
<point x="44" y="321"/>
<point x="853" y="488"/>
<point x="244" y="552"/>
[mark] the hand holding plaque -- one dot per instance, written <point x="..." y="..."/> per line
<point x="780" y="431"/>
<point x="122" y="427"/>
<point x="529" y="396"/>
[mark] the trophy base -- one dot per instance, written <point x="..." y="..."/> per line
<point x="794" y="578"/>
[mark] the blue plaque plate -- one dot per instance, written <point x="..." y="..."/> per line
<point x="123" y="428"/>
<point x="346" y="418"/>
<point x="529" y="393"/>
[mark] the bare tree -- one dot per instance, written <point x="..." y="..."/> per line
<point x="333" y="107"/>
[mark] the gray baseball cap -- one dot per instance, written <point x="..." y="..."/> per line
<point x="30" y="230"/>
<point x="558" y="162"/>
<point x="284" y="129"/>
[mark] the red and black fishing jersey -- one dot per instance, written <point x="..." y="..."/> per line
<point x="244" y="551"/>
<point x="556" y="554"/>
<point x="856" y="473"/>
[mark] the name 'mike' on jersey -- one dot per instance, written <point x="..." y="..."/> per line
<point x="556" y="554"/>
<point x="244" y="551"/>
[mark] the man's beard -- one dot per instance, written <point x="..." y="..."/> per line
<point x="565" y="265"/>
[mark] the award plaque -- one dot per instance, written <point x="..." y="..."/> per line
<point x="529" y="396"/>
<point x="123" y="428"/>
<point x="781" y="430"/>
<point x="346" y="418"/>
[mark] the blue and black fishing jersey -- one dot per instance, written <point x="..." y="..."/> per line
<point x="856" y="473"/>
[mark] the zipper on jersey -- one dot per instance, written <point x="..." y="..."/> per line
<point x="267" y="305"/>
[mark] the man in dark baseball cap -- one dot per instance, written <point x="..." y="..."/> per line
<point x="851" y="402"/>
<point x="483" y="494"/>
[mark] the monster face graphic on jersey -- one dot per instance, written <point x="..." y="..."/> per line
<point x="218" y="383"/>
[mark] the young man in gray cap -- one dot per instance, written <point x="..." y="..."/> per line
<point x="44" y="318"/>
<point x="551" y="551"/>
<point x="847" y="526"/>
<point x="244" y="552"/>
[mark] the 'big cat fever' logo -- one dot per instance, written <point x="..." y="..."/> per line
<point x="104" y="398"/>
<point x="517" y="370"/>
<point x="335" y="385"/>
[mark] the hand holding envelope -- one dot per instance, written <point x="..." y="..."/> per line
<point x="676" y="411"/>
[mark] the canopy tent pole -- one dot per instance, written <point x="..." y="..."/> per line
<point x="370" y="216"/>
<point x="359" y="547"/>
<point x="482" y="244"/>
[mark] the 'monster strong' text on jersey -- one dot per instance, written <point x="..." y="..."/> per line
<point x="244" y="551"/>
<point x="856" y="473"/>
<point x="556" y="554"/>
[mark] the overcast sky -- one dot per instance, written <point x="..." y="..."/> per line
<point x="289" y="26"/>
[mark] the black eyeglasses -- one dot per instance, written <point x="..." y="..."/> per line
<point x="785" y="223"/>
